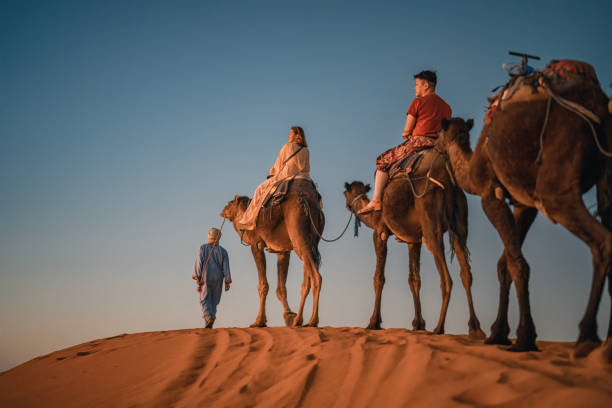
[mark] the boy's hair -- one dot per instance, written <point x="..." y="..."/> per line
<point x="429" y="76"/>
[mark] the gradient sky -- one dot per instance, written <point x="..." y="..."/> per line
<point x="126" y="126"/>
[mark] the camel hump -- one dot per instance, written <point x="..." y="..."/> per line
<point x="560" y="75"/>
<point x="569" y="73"/>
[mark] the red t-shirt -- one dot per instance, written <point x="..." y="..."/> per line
<point x="428" y="111"/>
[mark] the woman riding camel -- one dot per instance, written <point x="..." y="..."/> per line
<point x="293" y="160"/>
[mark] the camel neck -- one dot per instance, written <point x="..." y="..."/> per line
<point x="460" y="159"/>
<point x="369" y="218"/>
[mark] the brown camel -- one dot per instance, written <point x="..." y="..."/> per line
<point x="503" y="166"/>
<point x="281" y="229"/>
<point x="414" y="220"/>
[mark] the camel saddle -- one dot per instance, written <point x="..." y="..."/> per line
<point x="557" y="77"/>
<point x="295" y="184"/>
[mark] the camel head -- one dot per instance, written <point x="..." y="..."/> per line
<point x="354" y="190"/>
<point x="234" y="207"/>
<point x="456" y="131"/>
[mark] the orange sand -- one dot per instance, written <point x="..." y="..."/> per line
<point x="282" y="367"/>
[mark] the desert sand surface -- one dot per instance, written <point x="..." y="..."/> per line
<point x="310" y="367"/>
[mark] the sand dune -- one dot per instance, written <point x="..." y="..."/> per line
<point x="282" y="367"/>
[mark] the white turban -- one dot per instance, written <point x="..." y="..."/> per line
<point x="214" y="234"/>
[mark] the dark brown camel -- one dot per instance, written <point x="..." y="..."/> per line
<point x="415" y="220"/>
<point x="281" y="229"/>
<point x="503" y="165"/>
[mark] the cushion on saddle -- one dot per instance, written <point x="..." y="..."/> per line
<point x="559" y="75"/>
<point x="279" y="194"/>
<point x="407" y="165"/>
<point x="570" y="73"/>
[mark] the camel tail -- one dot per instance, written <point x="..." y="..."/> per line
<point x="457" y="211"/>
<point x="315" y="247"/>
<point x="316" y="256"/>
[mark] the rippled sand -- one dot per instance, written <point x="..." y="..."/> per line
<point x="282" y="367"/>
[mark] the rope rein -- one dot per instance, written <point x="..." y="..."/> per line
<point x="314" y="228"/>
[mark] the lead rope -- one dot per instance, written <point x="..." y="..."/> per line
<point x="314" y="228"/>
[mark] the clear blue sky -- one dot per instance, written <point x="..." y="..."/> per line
<point x="125" y="127"/>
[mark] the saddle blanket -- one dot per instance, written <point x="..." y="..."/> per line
<point x="409" y="164"/>
<point x="560" y="75"/>
<point x="279" y="194"/>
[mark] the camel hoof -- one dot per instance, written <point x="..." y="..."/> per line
<point x="374" y="326"/>
<point x="258" y="325"/>
<point x="477" y="334"/>
<point x="438" y="330"/>
<point x="418" y="325"/>
<point x="501" y="340"/>
<point x="584" y="348"/>
<point x="607" y="351"/>
<point x="289" y="318"/>
<point x="522" y="347"/>
<point x="297" y="323"/>
<point x="313" y="324"/>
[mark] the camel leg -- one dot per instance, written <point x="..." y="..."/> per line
<point x="607" y="347"/>
<point x="500" y="216"/>
<point x="523" y="218"/>
<point x="414" y="280"/>
<point x="380" y="246"/>
<point x="432" y="236"/>
<point x="304" y="243"/>
<point x="316" y="280"/>
<point x="604" y="208"/>
<point x="576" y="218"/>
<point x="262" y="287"/>
<point x="282" y="265"/>
<point x="299" y="319"/>
<point x="475" y="332"/>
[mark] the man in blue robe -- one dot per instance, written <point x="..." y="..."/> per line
<point x="211" y="268"/>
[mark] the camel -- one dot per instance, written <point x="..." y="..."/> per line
<point x="414" y="220"/>
<point x="282" y="228"/>
<point x="503" y="166"/>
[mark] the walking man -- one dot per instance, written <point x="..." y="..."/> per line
<point x="211" y="268"/>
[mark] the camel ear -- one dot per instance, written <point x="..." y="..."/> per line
<point x="445" y="123"/>
<point x="236" y="198"/>
<point x="469" y="123"/>
<point x="347" y="187"/>
<point x="367" y="187"/>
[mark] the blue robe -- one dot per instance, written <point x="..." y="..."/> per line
<point x="212" y="283"/>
